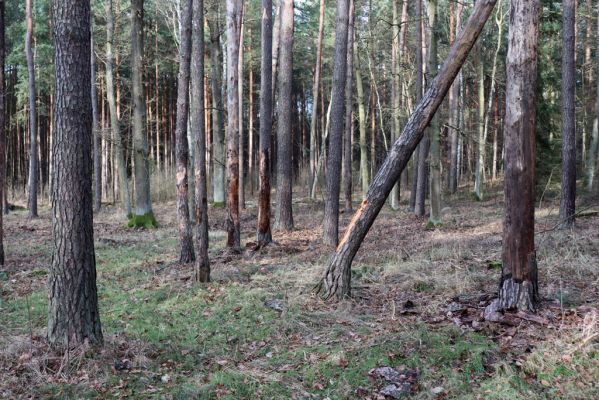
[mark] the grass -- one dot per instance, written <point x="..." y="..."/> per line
<point x="221" y="341"/>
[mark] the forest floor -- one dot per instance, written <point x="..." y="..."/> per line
<point x="258" y="332"/>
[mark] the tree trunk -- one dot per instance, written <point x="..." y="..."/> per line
<point x="250" y="113"/>
<point x="97" y="134"/>
<point x="143" y="203"/>
<point x="315" y="93"/>
<point x="333" y="175"/>
<point x="263" y="230"/>
<point x="186" y="254"/>
<point x="32" y="183"/>
<point x="395" y="93"/>
<point x="594" y="147"/>
<point x="336" y="282"/>
<point x="284" y="210"/>
<point x="117" y="138"/>
<point x="364" y="172"/>
<point x="518" y="287"/>
<point x="435" y="164"/>
<point x="2" y="133"/>
<point x="481" y="142"/>
<point x="568" y="200"/>
<point x="218" y="131"/>
<point x="349" y="102"/>
<point x="202" y="265"/>
<point x="454" y="116"/>
<point x="240" y="101"/>
<point x="73" y="317"/>
<point x="234" y="10"/>
<point x="417" y="197"/>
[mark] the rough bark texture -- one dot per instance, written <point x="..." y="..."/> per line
<point x="594" y="146"/>
<point x="315" y="94"/>
<point x="435" y="164"/>
<point x="568" y="200"/>
<point x="143" y="203"/>
<point x="518" y="288"/>
<point x="349" y="101"/>
<point x="454" y="118"/>
<point x="202" y="265"/>
<point x="481" y="142"/>
<point x="117" y="138"/>
<point x="395" y="93"/>
<point x="241" y="187"/>
<point x="2" y="132"/>
<point x="234" y="8"/>
<point x="97" y="136"/>
<point x="263" y="232"/>
<point x="284" y="211"/>
<point x="32" y="182"/>
<point x="218" y="131"/>
<point x="333" y="176"/>
<point x="186" y="254"/>
<point x="414" y="200"/>
<point x="336" y="281"/>
<point x="73" y="317"/>
<point x="364" y="171"/>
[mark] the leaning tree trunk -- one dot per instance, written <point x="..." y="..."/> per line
<point x="186" y="254"/>
<point x="349" y="101"/>
<point x="97" y="136"/>
<point x="333" y="176"/>
<point x="202" y="265"/>
<point x="2" y="133"/>
<point x="264" y="236"/>
<point x="143" y="203"/>
<point x="594" y="147"/>
<point x="568" y="200"/>
<point x="336" y="281"/>
<point x="284" y="210"/>
<point x="117" y="137"/>
<point x="32" y="182"/>
<point x="218" y="131"/>
<point x="234" y="8"/>
<point x="519" y="285"/>
<point x="73" y="317"/>
<point x="315" y="93"/>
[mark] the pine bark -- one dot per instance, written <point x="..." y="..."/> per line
<point x="234" y="9"/>
<point x="241" y="186"/>
<point x="349" y="101"/>
<point x="519" y="285"/>
<point x="336" y="281"/>
<point x="97" y="135"/>
<point x="264" y="236"/>
<point x="32" y="182"/>
<point x="594" y="145"/>
<point x="395" y="92"/>
<point x="73" y="317"/>
<point x="315" y="95"/>
<point x="218" y="131"/>
<point x="435" y="164"/>
<point x="568" y="200"/>
<point x="2" y="132"/>
<point x="143" y="202"/>
<point x="454" y="114"/>
<point x="364" y="171"/>
<point x="420" y="169"/>
<point x="284" y="210"/>
<point x="202" y="264"/>
<point x="333" y="176"/>
<point x="186" y="254"/>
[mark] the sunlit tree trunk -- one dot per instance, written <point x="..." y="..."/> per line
<point x="349" y="101"/>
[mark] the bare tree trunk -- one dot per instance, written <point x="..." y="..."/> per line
<point x="218" y="131"/>
<point x="284" y="210"/>
<point x="519" y="285"/>
<point x="97" y="134"/>
<point x="336" y="281"/>
<point x="32" y="183"/>
<point x="481" y="142"/>
<point x="364" y="171"/>
<point x="263" y="232"/>
<point x="276" y="36"/>
<point x="186" y="253"/>
<point x="315" y="93"/>
<point x="143" y="202"/>
<point x="395" y="93"/>
<point x="333" y="176"/>
<point x="349" y="101"/>
<point x="202" y="265"/>
<point x="240" y="100"/>
<point x="250" y="114"/>
<point x="594" y="147"/>
<point x="117" y="138"/>
<point x="417" y="196"/>
<point x="568" y="200"/>
<point x="435" y="164"/>
<point x="73" y="316"/>
<point x="454" y="114"/>
<point x="234" y="15"/>
<point x="2" y="132"/>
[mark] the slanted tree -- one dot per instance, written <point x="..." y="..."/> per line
<point x="202" y="265"/>
<point x="336" y="281"/>
<point x="73" y="317"/>
<point x="331" y="207"/>
<point x="117" y="137"/>
<point x="143" y="203"/>
<point x="568" y="199"/>
<point x="2" y="131"/>
<point x="32" y="182"/>
<point x="263" y="235"/>
<point x="186" y="254"/>
<point x="284" y="210"/>
<point x="519" y="284"/>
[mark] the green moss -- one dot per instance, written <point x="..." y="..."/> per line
<point x="218" y="204"/>
<point x="143" y="221"/>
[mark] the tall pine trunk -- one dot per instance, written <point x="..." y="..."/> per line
<point x="2" y="133"/>
<point x="435" y="164"/>
<point x="349" y="101"/>
<point x="97" y="134"/>
<point x="315" y="94"/>
<point x="32" y="182"/>
<point x="594" y="146"/>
